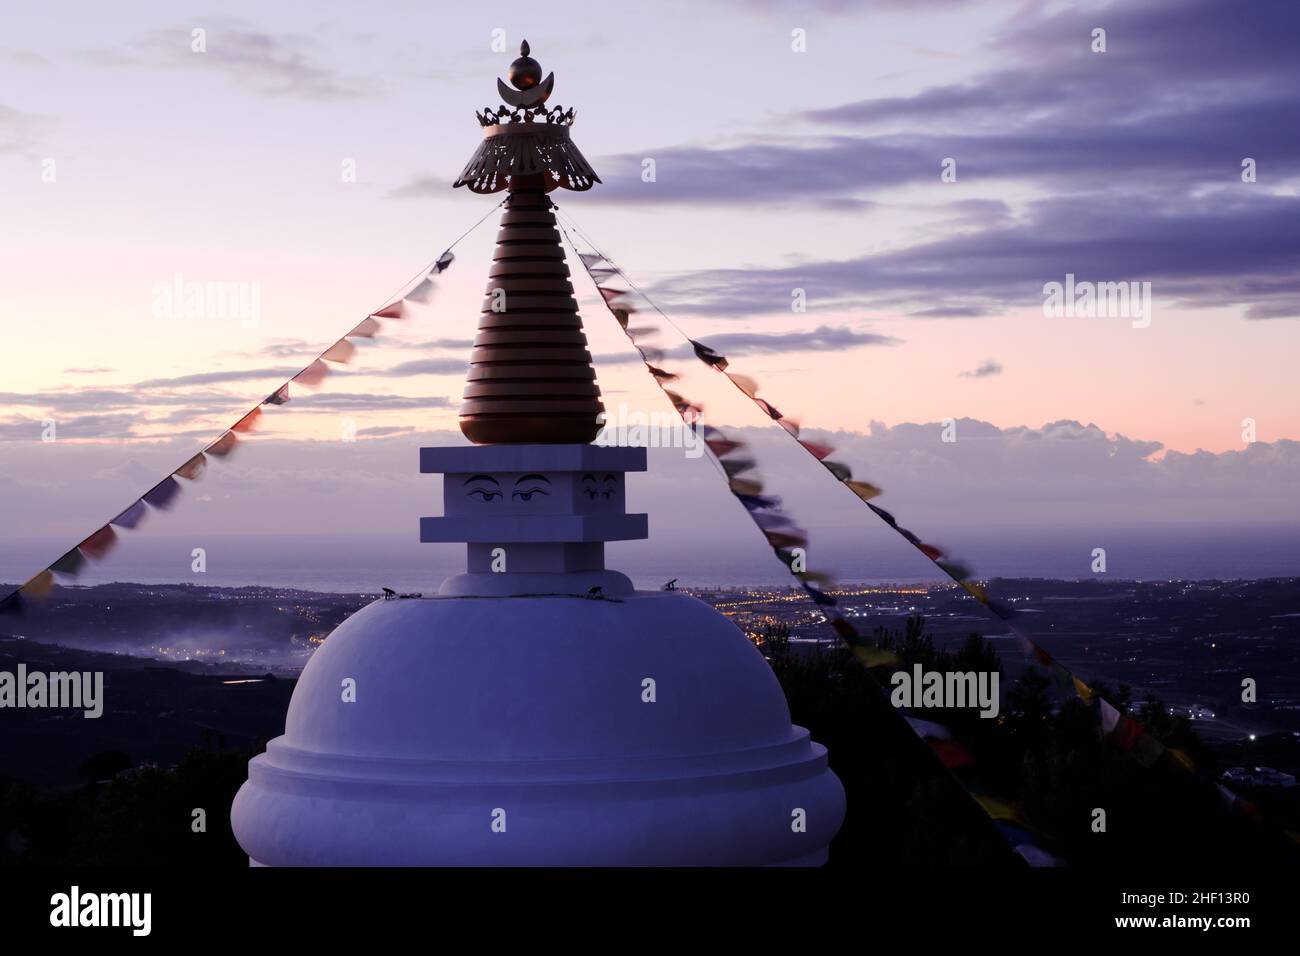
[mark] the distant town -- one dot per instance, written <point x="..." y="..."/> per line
<point x="184" y="663"/>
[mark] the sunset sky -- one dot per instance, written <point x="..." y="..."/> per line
<point x="127" y="160"/>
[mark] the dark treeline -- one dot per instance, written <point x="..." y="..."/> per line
<point x="1042" y="753"/>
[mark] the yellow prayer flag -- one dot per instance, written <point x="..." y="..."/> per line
<point x="863" y="489"/>
<point x="875" y="657"/>
<point x="40" y="586"/>
<point x="192" y="468"/>
<point x="998" y="809"/>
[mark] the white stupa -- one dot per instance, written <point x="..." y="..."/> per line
<point x="538" y="711"/>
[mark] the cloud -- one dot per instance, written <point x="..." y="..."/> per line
<point x="432" y="366"/>
<point x="1064" y="470"/>
<point x="1063" y="474"/>
<point x="89" y="399"/>
<point x="952" y="312"/>
<point x="824" y="338"/>
<point x="984" y="370"/>
<point x="1217" y="250"/>
<point x="1128" y="162"/>
<point x="368" y="401"/>
<point x="284" y="64"/>
<point x="231" y="375"/>
<point x="81" y="426"/>
<point x="424" y="186"/>
<point x="86" y="371"/>
<point x="433" y="344"/>
<point x="18" y="130"/>
<point x="386" y="431"/>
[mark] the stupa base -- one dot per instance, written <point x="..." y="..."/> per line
<point x="539" y="731"/>
<point x="322" y="818"/>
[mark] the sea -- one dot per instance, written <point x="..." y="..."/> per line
<point x="364" y="563"/>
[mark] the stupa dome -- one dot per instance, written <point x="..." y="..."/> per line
<point x="532" y="712"/>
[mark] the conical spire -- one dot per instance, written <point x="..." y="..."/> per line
<point x="530" y="379"/>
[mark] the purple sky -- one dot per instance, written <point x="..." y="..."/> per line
<point x="127" y="160"/>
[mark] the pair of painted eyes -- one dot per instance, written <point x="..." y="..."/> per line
<point x="606" y="494"/>
<point x="485" y="495"/>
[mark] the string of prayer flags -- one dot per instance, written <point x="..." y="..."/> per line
<point x="777" y="528"/>
<point x="165" y="493"/>
<point x="1127" y="734"/>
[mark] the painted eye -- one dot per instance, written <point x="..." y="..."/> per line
<point x="591" y="493"/>
<point x="484" y="495"/>
<point x="608" y="494"/>
<point x="528" y="495"/>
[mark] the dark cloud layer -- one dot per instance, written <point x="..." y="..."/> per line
<point x="1134" y="157"/>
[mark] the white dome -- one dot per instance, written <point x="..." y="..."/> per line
<point x="471" y="713"/>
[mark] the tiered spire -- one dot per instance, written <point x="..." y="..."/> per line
<point x="530" y="379"/>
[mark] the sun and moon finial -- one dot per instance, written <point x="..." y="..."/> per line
<point x="526" y="136"/>
<point x="530" y="90"/>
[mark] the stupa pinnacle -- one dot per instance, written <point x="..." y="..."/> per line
<point x="530" y="376"/>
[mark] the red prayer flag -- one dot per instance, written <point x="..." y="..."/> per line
<point x="99" y="544"/>
<point x="247" y="423"/>
<point x="313" y="374"/>
<point x="819" y="451"/>
<point x="951" y="754"/>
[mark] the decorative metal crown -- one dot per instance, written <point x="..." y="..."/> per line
<point x="525" y="137"/>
